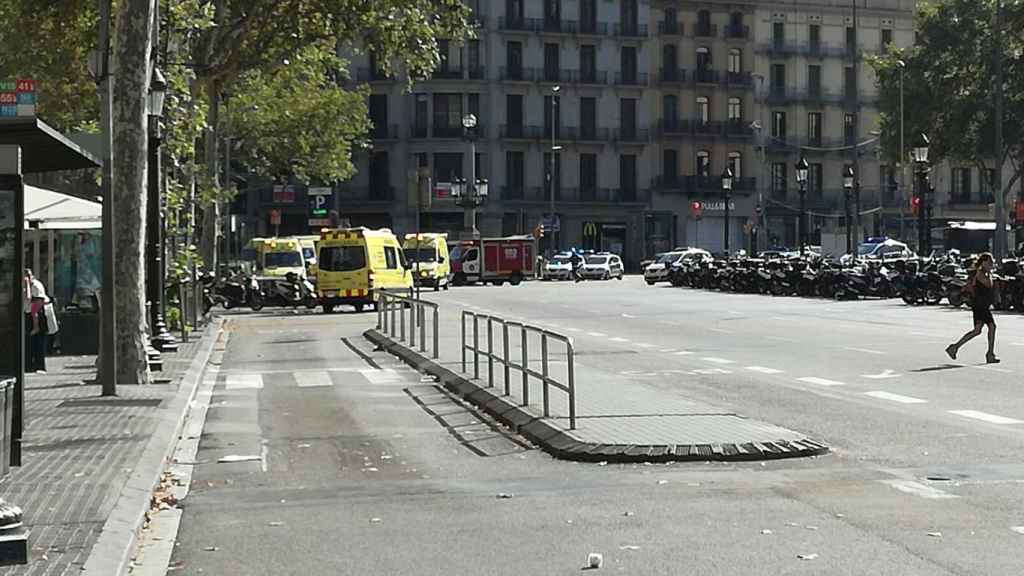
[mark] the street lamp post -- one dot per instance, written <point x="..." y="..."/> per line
<point x="920" y="154"/>
<point x="160" y="337"/>
<point x="468" y="196"/>
<point x="551" y="168"/>
<point x="801" y="178"/>
<point x="903" y="158"/>
<point x="727" y="192"/>
<point x="847" y="190"/>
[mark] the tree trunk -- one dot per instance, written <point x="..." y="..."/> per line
<point x="133" y="47"/>
<point x="211" y="212"/>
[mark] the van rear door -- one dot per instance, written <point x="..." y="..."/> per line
<point x="342" y="266"/>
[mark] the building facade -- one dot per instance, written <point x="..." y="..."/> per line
<point x="622" y="113"/>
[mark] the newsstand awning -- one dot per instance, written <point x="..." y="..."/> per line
<point x="44" y="149"/>
<point x="49" y="210"/>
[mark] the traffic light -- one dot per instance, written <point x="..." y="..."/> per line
<point x="1018" y="210"/>
<point x="696" y="210"/>
<point x="915" y="205"/>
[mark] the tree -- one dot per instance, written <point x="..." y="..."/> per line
<point x="132" y="54"/>
<point x="948" y="85"/>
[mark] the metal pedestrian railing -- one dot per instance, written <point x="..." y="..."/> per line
<point x="507" y="327"/>
<point x="391" y="319"/>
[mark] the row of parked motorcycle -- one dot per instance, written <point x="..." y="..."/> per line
<point x="240" y="289"/>
<point x="917" y="281"/>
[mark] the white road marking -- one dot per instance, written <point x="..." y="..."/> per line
<point x="619" y="339"/>
<point x="883" y="376"/>
<point x="264" y="451"/>
<point x="1016" y="343"/>
<point x="683" y="353"/>
<point x="780" y="338"/>
<point x="642" y="345"/>
<point x="313" y="379"/>
<point x="928" y="334"/>
<point x="717" y="360"/>
<point x="1017" y="529"/>
<point x="628" y="316"/>
<point x="918" y="489"/>
<point x="781" y="318"/>
<point x="865" y="350"/>
<point x="574" y="330"/>
<point x="735" y="312"/>
<point x="596" y="334"/>
<point x="678" y="372"/>
<point x="712" y="371"/>
<point x="667" y="350"/>
<point x="986" y="417"/>
<point x="244" y="382"/>
<point x="993" y="369"/>
<point x="895" y="397"/>
<point x="720" y="330"/>
<point x="820" y="381"/>
<point x="763" y="370"/>
<point x="386" y="376"/>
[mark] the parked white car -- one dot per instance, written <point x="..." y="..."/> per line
<point x="602" y="267"/>
<point x="559" y="267"/>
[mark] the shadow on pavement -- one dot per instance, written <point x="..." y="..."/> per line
<point x="507" y="445"/>
<point x="939" y="367"/>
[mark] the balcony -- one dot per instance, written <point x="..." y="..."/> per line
<point x="359" y="195"/>
<point x="477" y="73"/>
<point x="592" y="28"/>
<point x="638" y="79"/>
<point x="819" y="50"/>
<point x="592" y="134"/>
<point x="705" y="76"/>
<point x="517" y="74"/>
<point x="780" y="95"/>
<point x="552" y="26"/>
<point x="670" y="28"/>
<point x="711" y="186"/>
<point x="513" y="192"/>
<point x="384" y="132"/>
<point x="672" y="76"/>
<point x="557" y="76"/>
<point x="778" y="49"/>
<point x="452" y="131"/>
<point x="519" y="132"/>
<point x="668" y="183"/>
<point x="633" y="135"/>
<point x="707" y="128"/>
<point x="672" y="127"/>
<point x="447" y="74"/>
<point x="418" y="131"/>
<point x="743" y="79"/>
<point x="736" y="32"/>
<point x="593" y="77"/>
<point x="563" y="194"/>
<point x="738" y="128"/>
<point x="630" y="30"/>
<point x="516" y="24"/>
<point x="705" y="30"/>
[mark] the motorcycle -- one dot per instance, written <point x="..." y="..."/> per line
<point x="291" y="291"/>
<point x="239" y="291"/>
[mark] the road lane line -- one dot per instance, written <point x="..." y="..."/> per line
<point x="596" y="334"/>
<point x="712" y="371"/>
<point x="994" y="369"/>
<point x="619" y="339"/>
<point x="882" y="376"/>
<point x="820" y="381"/>
<point x="642" y="345"/>
<point x="717" y="360"/>
<point x="243" y="382"/>
<point x="628" y="316"/>
<point x="865" y="350"/>
<point x="918" y="489"/>
<point x="313" y="379"/>
<point x="895" y="397"/>
<point x="667" y="350"/>
<point x="720" y="330"/>
<point x="683" y="353"/>
<point x="986" y="417"/>
<point x="763" y="370"/>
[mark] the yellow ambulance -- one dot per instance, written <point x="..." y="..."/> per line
<point x="427" y="255"/>
<point x="354" y="262"/>
<point x="276" y="257"/>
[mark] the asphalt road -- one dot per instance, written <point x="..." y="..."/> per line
<point x="360" y="467"/>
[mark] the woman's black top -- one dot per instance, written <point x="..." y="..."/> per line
<point x="983" y="297"/>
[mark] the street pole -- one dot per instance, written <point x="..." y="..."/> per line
<point x="922" y="226"/>
<point x="849" y="228"/>
<point x="108" y="322"/>
<point x="999" y="243"/>
<point x="727" y="176"/>
<point x="902" y="162"/>
<point x="763" y="237"/>
<point x="551" y="169"/>
<point x="471" y="188"/>
<point x="803" y="217"/>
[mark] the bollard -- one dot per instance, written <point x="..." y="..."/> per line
<point x="544" y="372"/>
<point x="435" y="341"/>
<point x="505" y="358"/>
<point x="401" y="319"/>
<point x="476" y="347"/>
<point x="570" y="352"/>
<point x="412" y="325"/>
<point x="463" y="339"/>
<point x="526" y="368"/>
<point x="422" y="315"/>
<point x="490" y="352"/>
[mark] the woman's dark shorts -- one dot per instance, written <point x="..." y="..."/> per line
<point x="982" y="316"/>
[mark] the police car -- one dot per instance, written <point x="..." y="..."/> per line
<point x="661" y="269"/>
<point x="559" y="267"/>
<point x="602" y="266"/>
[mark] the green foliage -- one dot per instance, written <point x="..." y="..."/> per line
<point x="294" y="121"/>
<point x="948" y="83"/>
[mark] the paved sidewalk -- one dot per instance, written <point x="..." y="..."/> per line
<point x="617" y="419"/>
<point x="79" y="451"/>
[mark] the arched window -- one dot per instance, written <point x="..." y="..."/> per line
<point x="703" y="110"/>
<point x="703" y="164"/>
<point x="669" y="62"/>
<point x="736" y="164"/>
<point x="735" y="109"/>
<point x="735" y="61"/>
<point x="703" y="58"/>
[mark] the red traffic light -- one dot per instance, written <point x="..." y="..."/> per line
<point x="696" y="209"/>
<point x="915" y="204"/>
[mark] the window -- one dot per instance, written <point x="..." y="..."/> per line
<point x="850" y="129"/>
<point x="814" y="180"/>
<point x="447" y="115"/>
<point x="886" y="37"/>
<point x="670" y="111"/>
<point x="451" y="58"/>
<point x="669" y="63"/>
<point x="628" y="63"/>
<point x="814" y="128"/>
<point x="419" y="129"/>
<point x="557" y="172"/>
<point x="421" y="160"/>
<point x="670" y="167"/>
<point x="670" y="21"/>
<point x="447" y="166"/>
<point x="735" y="110"/>
<point x="588" y="63"/>
<point x="627" y="175"/>
<point x="814" y="38"/>
<point x="588" y="176"/>
<point x="588" y="118"/>
<point x="779" y="179"/>
<point x="379" y="114"/>
<point x="514" y="172"/>
<point x="778" y="78"/>
<point x="850" y="83"/>
<point x="514" y="114"/>
<point x="703" y="58"/>
<point x="703" y="23"/>
<point x="627" y="116"/>
<point x="988" y="185"/>
<point x="629" y="15"/>
<point x="390" y="258"/>
<point x="703" y="164"/>
<point x="703" y="110"/>
<point x="551" y="67"/>
<point x="552" y="14"/>
<point x="342" y="258"/>
<point x="778" y="124"/>
<point x="735" y="61"/>
<point x="814" y="80"/>
<point x="556" y="101"/>
<point x="736" y="164"/>
<point x="588" y="16"/>
<point x="380" y="176"/>
<point x="961" y="185"/>
<point x="514" y="60"/>
<point x="778" y="34"/>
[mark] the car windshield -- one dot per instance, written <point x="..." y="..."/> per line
<point x="560" y="260"/>
<point x="867" y="249"/>
<point x="308" y="253"/>
<point x="342" y="258"/>
<point x="597" y="259"/>
<point x="666" y="258"/>
<point x="421" y="254"/>
<point x="282" y="260"/>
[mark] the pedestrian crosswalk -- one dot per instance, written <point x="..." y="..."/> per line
<point x="315" y="378"/>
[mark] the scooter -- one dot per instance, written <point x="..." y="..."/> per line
<point x="243" y="290"/>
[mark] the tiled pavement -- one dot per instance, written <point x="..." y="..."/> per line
<point x="79" y="450"/>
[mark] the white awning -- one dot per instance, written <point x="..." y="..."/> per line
<point x="55" y="211"/>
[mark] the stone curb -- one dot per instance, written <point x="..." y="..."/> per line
<point x="111" y="555"/>
<point x="564" y="445"/>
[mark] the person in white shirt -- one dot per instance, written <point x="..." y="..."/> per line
<point x="35" y="300"/>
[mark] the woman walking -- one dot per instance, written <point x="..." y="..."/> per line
<point x="35" y="320"/>
<point x="981" y="284"/>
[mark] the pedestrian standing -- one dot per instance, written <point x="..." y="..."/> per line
<point x="574" y="261"/>
<point x="35" y="323"/>
<point x="981" y="285"/>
